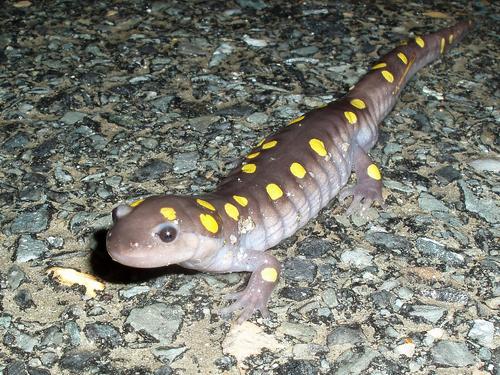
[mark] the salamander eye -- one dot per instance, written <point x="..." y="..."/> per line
<point x="167" y="234"/>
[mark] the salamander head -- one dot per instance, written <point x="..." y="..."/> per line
<point x="162" y="230"/>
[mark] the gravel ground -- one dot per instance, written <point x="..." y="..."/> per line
<point x="103" y="102"/>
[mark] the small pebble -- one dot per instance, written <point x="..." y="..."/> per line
<point x="482" y="332"/>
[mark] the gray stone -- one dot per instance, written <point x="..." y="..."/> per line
<point x="448" y="173"/>
<point x="429" y="203"/>
<point x="313" y="247"/>
<point x="29" y="248"/>
<point x="20" y="340"/>
<point x="489" y="165"/>
<point x="484" y="354"/>
<point x="103" y="334"/>
<point x="185" y="162"/>
<point x="15" y="368"/>
<point x="345" y="335"/>
<point x="220" y="54"/>
<point x="168" y="355"/>
<point x="254" y="4"/>
<point x="258" y="118"/>
<point x="297" y="367"/>
<point x="15" y="277"/>
<point x="62" y="176"/>
<point x="23" y="299"/>
<point x="254" y="42"/>
<point x="73" y="331"/>
<point x="353" y="362"/>
<point x="482" y="332"/>
<point x="305" y="51"/>
<point x="134" y="291"/>
<point x="396" y="185"/>
<point x="330" y="297"/>
<point x="158" y="320"/>
<point x="149" y="143"/>
<point x="383" y="298"/>
<point x="450" y="353"/>
<point x="202" y="123"/>
<point x="436" y="250"/>
<point x="5" y="320"/>
<point x="31" y="221"/>
<point x="488" y="209"/>
<point x="296" y="293"/>
<point x="164" y="370"/>
<point x="85" y="221"/>
<point x="359" y="258"/>
<point x="428" y="312"/>
<point x="449" y="294"/>
<point x="52" y="337"/>
<point x="78" y="361"/>
<point x="71" y="117"/>
<point x="299" y="331"/>
<point x="151" y="170"/>
<point x="300" y="269"/>
<point x="162" y="103"/>
<point x="139" y="79"/>
<point x="18" y="140"/>
<point x="388" y="240"/>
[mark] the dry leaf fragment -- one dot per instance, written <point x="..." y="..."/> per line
<point x="427" y="273"/>
<point x="69" y="277"/>
<point x="436" y="14"/>
<point x="22" y="4"/>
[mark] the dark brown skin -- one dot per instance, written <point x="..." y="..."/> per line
<point x="282" y="184"/>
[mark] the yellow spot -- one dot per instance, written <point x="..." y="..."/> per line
<point x="274" y="191"/>
<point x="358" y="103"/>
<point x="388" y="76"/>
<point x="209" y="223"/>
<point x="269" y="274"/>
<point x="205" y="204"/>
<point x="261" y="142"/>
<point x="403" y="57"/>
<point x="249" y="168"/>
<point x="420" y="42"/>
<point x="403" y="42"/>
<point x="450" y="39"/>
<point x="318" y="146"/>
<point x="298" y="119"/>
<point x="168" y="213"/>
<point x="379" y="65"/>
<point x="443" y="42"/>
<point x="269" y="145"/>
<point x="254" y="155"/>
<point x="373" y="172"/>
<point x="351" y="117"/>
<point x="232" y="211"/>
<point x="297" y="170"/>
<point x="242" y="201"/>
<point x="136" y="203"/>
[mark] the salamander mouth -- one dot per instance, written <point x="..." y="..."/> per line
<point x="134" y="254"/>
<point x="135" y="260"/>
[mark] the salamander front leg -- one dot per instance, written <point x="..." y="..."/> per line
<point x="265" y="274"/>
<point x="368" y="188"/>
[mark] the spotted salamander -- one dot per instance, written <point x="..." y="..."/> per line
<point x="282" y="183"/>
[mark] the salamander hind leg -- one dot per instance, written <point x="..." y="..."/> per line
<point x="368" y="187"/>
<point x="265" y="274"/>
